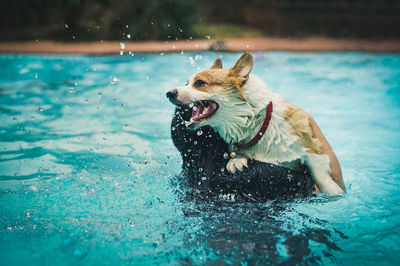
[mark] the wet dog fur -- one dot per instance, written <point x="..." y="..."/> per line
<point x="234" y="101"/>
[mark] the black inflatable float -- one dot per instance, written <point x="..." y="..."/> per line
<point x="204" y="155"/>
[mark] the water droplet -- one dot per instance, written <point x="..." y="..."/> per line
<point x="208" y="36"/>
<point x="99" y="94"/>
<point x="192" y="62"/>
<point x="122" y="45"/>
<point x="66" y="26"/>
<point x="201" y="170"/>
<point x="195" y="142"/>
<point x="162" y="53"/>
<point x="199" y="133"/>
<point x="226" y="155"/>
<point x="121" y="53"/>
<point x="128" y="36"/>
<point x="71" y="90"/>
<point x="114" y="80"/>
<point x="131" y="223"/>
<point x="191" y="105"/>
<point x="41" y="109"/>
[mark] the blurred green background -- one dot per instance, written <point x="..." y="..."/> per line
<point x="90" y="20"/>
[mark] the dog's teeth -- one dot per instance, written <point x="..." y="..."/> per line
<point x="188" y="123"/>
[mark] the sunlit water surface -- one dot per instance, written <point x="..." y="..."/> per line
<point x="86" y="163"/>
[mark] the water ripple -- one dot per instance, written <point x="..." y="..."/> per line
<point x="88" y="170"/>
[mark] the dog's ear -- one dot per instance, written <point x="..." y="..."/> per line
<point x="217" y="63"/>
<point x="243" y="66"/>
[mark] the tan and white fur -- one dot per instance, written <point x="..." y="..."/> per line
<point x="292" y="137"/>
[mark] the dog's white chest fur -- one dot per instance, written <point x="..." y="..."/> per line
<point x="279" y="144"/>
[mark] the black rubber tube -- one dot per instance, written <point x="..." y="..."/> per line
<point x="205" y="155"/>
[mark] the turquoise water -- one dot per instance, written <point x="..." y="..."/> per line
<point x="87" y="164"/>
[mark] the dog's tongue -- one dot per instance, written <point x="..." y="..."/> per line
<point x="200" y="111"/>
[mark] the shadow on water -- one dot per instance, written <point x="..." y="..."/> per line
<point x="258" y="233"/>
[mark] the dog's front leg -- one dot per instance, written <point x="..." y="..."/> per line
<point x="236" y="163"/>
<point x="320" y="169"/>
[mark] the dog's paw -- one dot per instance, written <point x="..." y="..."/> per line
<point x="236" y="163"/>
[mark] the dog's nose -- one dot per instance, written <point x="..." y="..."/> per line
<point x="172" y="94"/>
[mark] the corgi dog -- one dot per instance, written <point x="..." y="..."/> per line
<point x="257" y="123"/>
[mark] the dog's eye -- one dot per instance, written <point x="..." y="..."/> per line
<point x="199" y="83"/>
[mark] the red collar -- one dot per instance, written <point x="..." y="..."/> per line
<point x="260" y="133"/>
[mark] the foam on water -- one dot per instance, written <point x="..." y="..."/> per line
<point x="86" y="163"/>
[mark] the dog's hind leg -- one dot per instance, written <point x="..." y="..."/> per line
<point x="320" y="169"/>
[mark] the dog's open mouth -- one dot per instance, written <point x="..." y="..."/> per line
<point x="200" y="111"/>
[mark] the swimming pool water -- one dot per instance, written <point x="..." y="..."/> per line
<point x="86" y="163"/>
